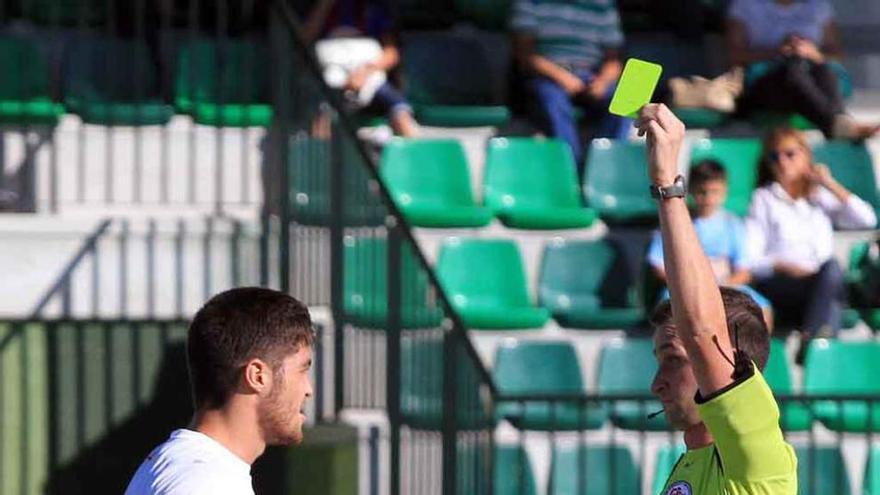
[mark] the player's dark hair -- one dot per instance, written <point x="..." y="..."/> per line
<point x="706" y="171"/>
<point x="745" y="324"/>
<point x="236" y="326"/>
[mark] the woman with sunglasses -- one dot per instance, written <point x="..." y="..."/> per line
<point x="790" y="229"/>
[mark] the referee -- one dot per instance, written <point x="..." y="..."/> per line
<point x="710" y="344"/>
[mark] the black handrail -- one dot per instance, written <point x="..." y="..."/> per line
<point x="64" y="279"/>
<point x="284" y="11"/>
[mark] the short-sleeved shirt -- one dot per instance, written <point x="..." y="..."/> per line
<point x="575" y="33"/>
<point x="749" y="456"/>
<point x="191" y="463"/>
<point x="722" y="236"/>
<point x="769" y="23"/>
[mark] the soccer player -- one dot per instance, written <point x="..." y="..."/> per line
<point x="711" y="344"/>
<point x="249" y="352"/>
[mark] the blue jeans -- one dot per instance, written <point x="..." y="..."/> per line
<point x="556" y="110"/>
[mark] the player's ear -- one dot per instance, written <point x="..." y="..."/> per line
<point x="257" y="376"/>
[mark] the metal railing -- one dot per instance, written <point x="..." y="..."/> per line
<point x="83" y="401"/>
<point x="611" y="443"/>
<point x="398" y="345"/>
<point x="319" y="225"/>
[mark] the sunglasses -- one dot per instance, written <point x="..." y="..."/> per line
<point x="790" y="153"/>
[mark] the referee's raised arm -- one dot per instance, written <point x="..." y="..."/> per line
<point x="698" y="312"/>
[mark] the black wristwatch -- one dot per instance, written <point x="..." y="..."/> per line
<point x="678" y="189"/>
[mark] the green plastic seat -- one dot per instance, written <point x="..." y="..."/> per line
<point x="628" y="366"/>
<point x="485" y="281"/>
<point x="25" y="97"/>
<point x="872" y="472"/>
<point x="852" y="166"/>
<point x="365" y="286"/>
<point x="793" y="416"/>
<point x="114" y="82"/>
<point x="616" y="182"/>
<point x="488" y="14"/>
<point x="862" y="276"/>
<point x="593" y="470"/>
<point x="64" y="12"/>
<point x="821" y="470"/>
<point x="700" y="118"/>
<point x="543" y="368"/>
<point x="450" y="83"/>
<point x="844" y="368"/>
<point x="739" y="157"/>
<point x="513" y="472"/>
<point x="667" y="457"/>
<point x="512" y="469"/>
<point x="430" y="183"/>
<point x="532" y="184"/>
<point x="224" y="83"/>
<point x="585" y="284"/>
<point x="421" y="386"/>
<point x="309" y="165"/>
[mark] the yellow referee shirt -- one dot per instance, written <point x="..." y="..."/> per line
<point x="749" y="456"/>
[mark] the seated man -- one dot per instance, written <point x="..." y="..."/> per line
<point x="790" y="51"/>
<point x="570" y="52"/>
<point x="711" y="344"/>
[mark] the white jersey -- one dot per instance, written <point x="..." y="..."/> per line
<point x="191" y="463"/>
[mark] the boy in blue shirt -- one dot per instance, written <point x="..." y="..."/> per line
<point x="721" y="234"/>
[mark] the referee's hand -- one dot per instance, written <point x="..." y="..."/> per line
<point x="665" y="134"/>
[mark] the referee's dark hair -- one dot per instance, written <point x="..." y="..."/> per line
<point x="745" y="324"/>
<point x="236" y="326"/>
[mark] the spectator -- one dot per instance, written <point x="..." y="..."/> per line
<point x="788" y="48"/>
<point x="570" y="51"/>
<point x="721" y="234"/>
<point x="790" y="235"/>
<point x="330" y="19"/>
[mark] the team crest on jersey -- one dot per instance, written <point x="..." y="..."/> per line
<point x="679" y="488"/>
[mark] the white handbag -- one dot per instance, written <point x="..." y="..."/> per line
<point x="339" y="57"/>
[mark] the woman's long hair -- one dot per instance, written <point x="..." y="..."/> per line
<point x="771" y="142"/>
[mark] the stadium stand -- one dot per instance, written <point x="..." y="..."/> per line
<point x="572" y="466"/>
<point x="821" y="470"/>
<point x="446" y="84"/>
<point x="25" y="96"/>
<point x="365" y="286"/>
<point x="430" y="183"/>
<point x="615" y="182"/>
<point x="114" y="82"/>
<point x="584" y="284"/>
<point x="852" y="166"/>
<point x="224" y="82"/>
<point x="536" y="368"/>
<point x="220" y="91"/>
<point x="532" y="184"/>
<point x="627" y="366"/>
<point x="484" y="279"/>
<point x="843" y="368"/>
<point x="513" y="471"/>
<point x="793" y="415"/>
